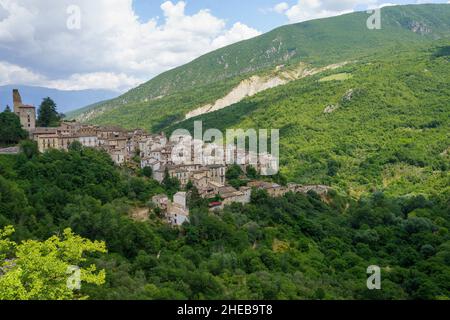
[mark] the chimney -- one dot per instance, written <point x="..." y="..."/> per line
<point x="16" y="99"/>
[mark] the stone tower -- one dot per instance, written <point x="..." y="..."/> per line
<point x="26" y="113"/>
<point x="17" y="100"/>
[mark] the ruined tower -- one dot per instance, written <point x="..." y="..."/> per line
<point x="26" y="113"/>
<point x="17" y="100"/>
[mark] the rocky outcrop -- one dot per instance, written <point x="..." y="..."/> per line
<point x="419" y="27"/>
<point x="256" y="84"/>
<point x="331" y="108"/>
<point x="348" y="96"/>
<point x="246" y="88"/>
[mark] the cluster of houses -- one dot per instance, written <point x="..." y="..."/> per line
<point x="208" y="177"/>
<point x="176" y="212"/>
<point x="165" y="157"/>
<point x="120" y="144"/>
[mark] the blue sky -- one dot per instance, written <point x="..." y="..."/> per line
<point x="109" y="48"/>
<point x="255" y="13"/>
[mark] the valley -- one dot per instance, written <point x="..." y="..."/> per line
<point x="364" y="180"/>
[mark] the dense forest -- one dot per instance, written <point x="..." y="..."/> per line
<point x="295" y="247"/>
<point x="11" y="131"/>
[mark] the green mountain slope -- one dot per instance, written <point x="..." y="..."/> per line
<point x="382" y="124"/>
<point x="168" y="97"/>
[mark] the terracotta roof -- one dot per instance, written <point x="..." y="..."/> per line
<point x="215" y="204"/>
<point x="39" y="130"/>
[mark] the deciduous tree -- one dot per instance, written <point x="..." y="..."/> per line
<point x="34" y="270"/>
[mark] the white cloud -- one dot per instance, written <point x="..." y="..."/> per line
<point x="237" y="33"/>
<point x="112" y="50"/>
<point x="382" y="5"/>
<point x="305" y="10"/>
<point x="13" y="74"/>
<point x="281" y="7"/>
<point x="94" y="80"/>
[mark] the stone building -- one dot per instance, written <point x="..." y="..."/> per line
<point x="273" y="189"/>
<point x="230" y="195"/>
<point x="26" y="113"/>
<point x="177" y="211"/>
<point x="161" y="201"/>
<point x="46" y="138"/>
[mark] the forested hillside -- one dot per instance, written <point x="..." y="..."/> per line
<point x="378" y="123"/>
<point x="376" y="130"/>
<point x="171" y="95"/>
<point x="381" y="123"/>
<point x="295" y="247"/>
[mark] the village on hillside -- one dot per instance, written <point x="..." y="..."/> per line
<point x="155" y="151"/>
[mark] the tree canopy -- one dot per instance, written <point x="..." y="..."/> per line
<point x="300" y="246"/>
<point x="47" y="114"/>
<point x="11" y="131"/>
<point x="41" y="270"/>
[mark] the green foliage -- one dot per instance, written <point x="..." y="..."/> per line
<point x="443" y="52"/>
<point x="47" y="114"/>
<point x="389" y="134"/>
<point x="252" y="173"/>
<point x="11" y="131"/>
<point x="195" y="200"/>
<point x="29" y="148"/>
<point x="168" y="97"/>
<point x="234" y="172"/>
<point x="34" y="270"/>
<point x="294" y="247"/>
<point x="171" y="185"/>
<point x="147" y="172"/>
<point x="234" y="176"/>
<point x="385" y="150"/>
<point x="76" y="146"/>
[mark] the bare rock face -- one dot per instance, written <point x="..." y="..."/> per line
<point x="348" y="96"/>
<point x="419" y="27"/>
<point x="256" y="84"/>
<point x="331" y="108"/>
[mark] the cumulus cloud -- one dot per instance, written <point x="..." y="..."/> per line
<point x="314" y="9"/>
<point x="111" y="50"/>
<point x="237" y="33"/>
<point x="13" y="74"/>
<point x="305" y="10"/>
<point x="281" y="7"/>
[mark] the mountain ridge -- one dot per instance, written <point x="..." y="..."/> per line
<point x="377" y="124"/>
<point x="318" y="43"/>
<point x="66" y="100"/>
